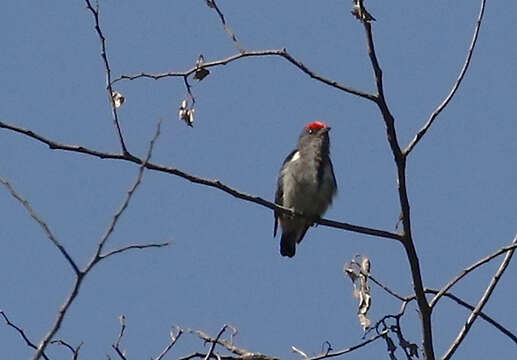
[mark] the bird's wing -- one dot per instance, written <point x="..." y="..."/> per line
<point x="332" y="172"/>
<point x="279" y="195"/>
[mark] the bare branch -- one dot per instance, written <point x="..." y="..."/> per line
<point x="132" y="247"/>
<point x="43" y="225"/>
<point x="347" y="350"/>
<point x="174" y="338"/>
<point x="449" y="295"/>
<point x="60" y="316"/>
<point x="21" y="332"/>
<point x="231" y="34"/>
<point x="104" y="56"/>
<point x="97" y="256"/>
<point x="189" y="89"/>
<point x="53" y="145"/>
<point x="472" y="267"/>
<point x="410" y="349"/>
<point x="116" y="346"/>
<point x="256" y="53"/>
<point x="482" y="302"/>
<point x="241" y="353"/>
<point x="456" y="85"/>
<point x="481" y="314"/>
<point x="227" y="345"/>
<point x="299" y="352"/>
<point x="219" y="357"/>
<point x="75" y="351"/>
<point x="400" y="161"/>
<point x="215" y="342"/>
<point x="384" y="287"/>
<point x="129" y="195"/>
<point x="199" y="180"/>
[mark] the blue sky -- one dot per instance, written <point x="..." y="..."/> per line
<point x="223" y="266"/>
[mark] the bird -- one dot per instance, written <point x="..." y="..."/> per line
<point x="306" y="183"/>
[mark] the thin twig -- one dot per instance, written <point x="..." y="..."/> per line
<point x="97" y="257"/>
<point x="60" y="316"/>
<point x="226" y="344"/>
<point x="470" y="268"/>
<point x="75" y="351"/>
<point x="299" y="352"/>
<point x="104" y="56"/>
<point x="482" y="302"/>
<point x="215" y="342"/>
<point x="198" y="180"/>
<point x="456" y="85"/>
<point x="256" y="53"/>
<point x="382" y="286"/>
<point x="116" y="345"/>
<point x="132" y="247"/>
<point x="129" y="194"/>
<point x="21" y="332"/>
<point x="400" y="161"/>
<point x="174" y="339"/>
<point x="227" y="28"/>
<point x="347" y="350"/>
<point x="465" y="304"/>
<point x="484" y="316"/>
<point x="219" y="357"/>
<point x="43" y="224"/>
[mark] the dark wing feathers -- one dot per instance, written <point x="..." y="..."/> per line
<point x="332" y="172"/>
<point x="279" y="195"/>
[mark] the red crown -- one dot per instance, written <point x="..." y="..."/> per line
<point x="315" y="125"/>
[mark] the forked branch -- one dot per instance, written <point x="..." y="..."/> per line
<point x="456" y="85"/>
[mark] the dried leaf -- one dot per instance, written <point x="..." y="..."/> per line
<point x="357" y="271"/>
<point x="360" y="12"/>
<point x="117" y="98"/>
<point x="365" y="265"/>
<point x="364" y="321"/>
<point x="186" y="114"/>
<point x="201" y="72"/>
<point x="191" y="117"/>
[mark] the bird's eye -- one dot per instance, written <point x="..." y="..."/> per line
<point x="309" y="131"/>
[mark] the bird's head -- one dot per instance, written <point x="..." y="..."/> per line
<point x="315" y="135"/>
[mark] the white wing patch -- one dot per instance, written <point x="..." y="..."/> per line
<point x="296" y="156"/>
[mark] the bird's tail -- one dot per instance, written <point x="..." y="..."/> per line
<point x="289" y="241"/>
<point x="288" y="244"/>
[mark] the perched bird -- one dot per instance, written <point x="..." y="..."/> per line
<point x="306" y="183"/>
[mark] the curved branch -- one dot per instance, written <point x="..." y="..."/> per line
<point x="456" y="85"/>
<point x="254" y="53"/>
<point x="481" y="314"/>
<point x="43" y="225"/>
<point x="350" y="349"/>
<point x="132" y="247"/>
<point x="104" y="56"/>
<point x="472" y="267"/>
<point x="74" y="351"/>
<point x="199" y="180"/>
<point x="22" y="334"/>
<point x="174" y="338"/>
<point x="482" y="302"/>
<point x="212" y="4"/>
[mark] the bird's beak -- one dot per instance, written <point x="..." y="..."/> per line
<point x="328" y="128"/>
